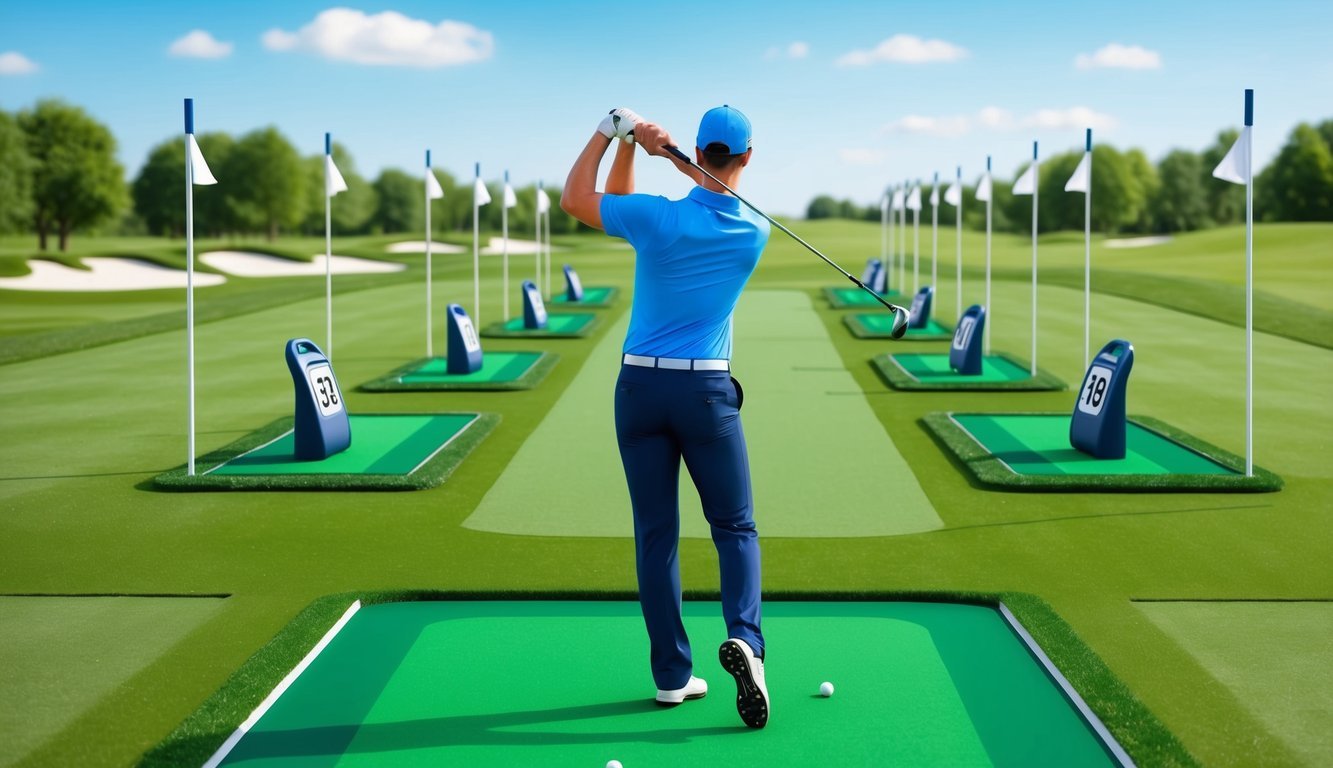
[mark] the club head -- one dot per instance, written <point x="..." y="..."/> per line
<point x="900" y="318"/>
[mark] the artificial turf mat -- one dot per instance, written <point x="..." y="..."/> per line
<point x="853" y="298"/>
<point x="879" y="325"/>
<point x="436" y="682"/>
<point x="1273" y="656"/>
<point x="931" y="371"/>
<point x="559" y="325"/>
<point x="593" y="296"/>
<point x="61" y="654"/>
<point x="819" y="462"/>
<point x="389" y="452"/>
<point x="499" y="371"/>
<point x="1031" y="451"/>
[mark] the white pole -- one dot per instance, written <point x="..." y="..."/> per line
<point x="548" y="255"/>
<point x="990" y="315"/>
<point x="430" y="350"/>
<point x="893" y="251"/>
<point x="1249" y="282"/>
<point x="885" y="262"/>
<point x="902" y="242"/>
<point x="935" y="233"/>
<point x="328" y="254"/>
<point x="958" y="241"/>
<point x="1087" y="260"/>
<point x="476" y="253"/>
<point x="540" y="191"/>
<point x="189" y="280"/>
<point x="504" y="231"/>
<point x="1036" y="183"/>
<point x="916" y="250"/>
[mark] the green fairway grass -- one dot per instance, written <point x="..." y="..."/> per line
<point x="87" y="424"/>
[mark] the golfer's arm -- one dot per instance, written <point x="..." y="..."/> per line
<point x="621" y="179"/>
<point x="580" y="197"/>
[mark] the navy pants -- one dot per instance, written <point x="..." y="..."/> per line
<point x="663" y="416"/>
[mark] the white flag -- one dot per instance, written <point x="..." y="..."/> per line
<point x="1235" y="167"/>
<point x="1079" y="181"/>
<point x="543" y="202"/>
<point x="480" y="195"/>
<point x="333" y="181"/>
<point x="898" y="200"/>
<point x="914" y="199"/>
<point x="954" y="194"/>
<point x="433" y="190"/>
<point x="202" y="176"/>
<point x="884" y="203"/>
<point x="935" y="195"/>
<point x="983" y="188"/>
<point x="1027" y="183"/>
<point x="510" y="199"/>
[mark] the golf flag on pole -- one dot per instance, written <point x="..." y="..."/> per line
<point x="935" y="232"/>
<point x="333" y="184"/>
<point x="509" y="201"/>
<point x="196" y="172"/>
<point x="202" y="175"/>
<point x="433" y="192"/>
<point x="914" y="204"/>
<point x="935" y="191"/>
<point x="898" y="199"/>
<point x="480" y="197"/>
<point x="914" y="199"/>
<point x="333" y="180"/>
<point x="543" y="206"/>
<point x="954" y="194"/>
<point x="433" y="189"/>
<point x="983" y="189"/>
<point x="1237" y="168"/>
<point x="1081" y="181"/>
<point x="1026" y="184"/>
<point x="984" y="194"/>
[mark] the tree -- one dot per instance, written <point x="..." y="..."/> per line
<point x="159" y="189"/>
<point x="399" y="202"/>
<point x="352" y="209"/>
<point x="1143" y="186"/>
<point x="76" y="180"/>
<point x="1180" y="204"/>
<point x="1326" y="130"/>
<point x="1298" y="184"/>
<point x="822" y="207"/>
<point x="266" y="182"/>
<point x="1225" y="202"/>
<point x="15" y="176"/>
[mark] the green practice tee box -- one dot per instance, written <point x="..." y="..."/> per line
<point x="854" y="298"/>
<point x="499" y="371"/>
<point x="389" y="452"/>
<point x="879" y="325"/>
<point x="559" y="325"/>
<point x="595" y="296"/>
<point x="931" y="372"/>
<point x="1031" y="451"/>
<point x="457" y="683"/>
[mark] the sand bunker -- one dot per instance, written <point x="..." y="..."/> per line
<point x="419" y="246"/>
<point x="495" y="246"/>
<point x="104" y="274"/>
<point x="243" y="264"/>
<point x="1137" y="242"/>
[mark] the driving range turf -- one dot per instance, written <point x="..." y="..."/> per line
<point x="86" y="431"/>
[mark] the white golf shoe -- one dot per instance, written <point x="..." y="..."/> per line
<point x="739" y="661"/>
<point x="696" y="688"/>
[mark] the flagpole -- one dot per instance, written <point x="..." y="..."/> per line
<point x="430" y="352"/>
<point x="504" y="231"/>
<point x="476" y="251"/>
<point x="1036" y="179"/>
<point x="328" y="252"/>
<point x="935" y="233"/>
<point x="548" y="253"/>
<point x="1087" y="257"/>
<point x="916" y="243"/>
<point x="958" y="241"/>
<point x="189" y="279"/>
<point x="893" y="251"/>
<point x="990" y="194"/>
<point x="884" y="236"/>
<point x="902" y="240"/>
<point x="540" y="192"/>
<point x="1249" y="282"/>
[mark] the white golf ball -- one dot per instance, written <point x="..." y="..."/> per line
<point x="614" y="764"/>
<point x="826" y="689"/>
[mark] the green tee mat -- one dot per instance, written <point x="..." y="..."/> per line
<point x="62" y="654"/>
<point x="853" y="298"/>
<point x="458" y="683"/>
<point x="499" y="371"/>
<point x="389" y="452"/>
<point x="559" y="325"/>
<point x="879" y="325"/>
<point x="931" y="372"/>
<point x="593" y="296"/>
<point x="1261" y="651"/>
<point x="1031" y="451"/>
<point x="804" y="417"/>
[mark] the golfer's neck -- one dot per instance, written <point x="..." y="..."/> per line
<point x="731" y="178"/>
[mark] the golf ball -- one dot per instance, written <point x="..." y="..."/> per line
<point x="826" y="689"/>
<point x="614" y="764"/>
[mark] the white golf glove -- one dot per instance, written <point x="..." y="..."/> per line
<point x="619" y="124"/>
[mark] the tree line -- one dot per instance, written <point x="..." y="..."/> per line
<point x="59" y="175"/>
<point x="1131" y="195"/>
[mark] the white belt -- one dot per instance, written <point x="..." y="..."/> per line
<point x="677" y="363"/>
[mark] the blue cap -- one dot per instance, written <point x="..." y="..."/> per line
<point x="724" y="125"/>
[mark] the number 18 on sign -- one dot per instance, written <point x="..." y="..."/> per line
<point x="322" y="427"/>
<point x="1099" y="423"/>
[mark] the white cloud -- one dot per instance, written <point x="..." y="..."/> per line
<point x="1119" y="56"/>
<point x="199" y="44"/>
<point x="798" y="50"/>
<point x="998" y="119"/>
<point x="907" y="49"/>
<point x="385" y="39"/>
<point x="15" y="63"/>
<point x="861" y="156"/>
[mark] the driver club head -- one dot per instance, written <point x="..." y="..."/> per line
<point x="900" y="319"/>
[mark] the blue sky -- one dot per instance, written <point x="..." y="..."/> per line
<point x="962" y="80"/>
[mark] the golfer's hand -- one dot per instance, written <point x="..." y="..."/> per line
<point x="653" y="137"/>
<point x="620" y="124"/>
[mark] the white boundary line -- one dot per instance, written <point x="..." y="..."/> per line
<point x="982" y="445"/>
<point x="244" y="728"/>
<point x="1118" y="752"/>
<point x="893" y="358"/>
<point x="446" y="443"/>
<point x="252" y="450"/>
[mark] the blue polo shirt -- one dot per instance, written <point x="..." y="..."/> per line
<point x="692" y="258"/>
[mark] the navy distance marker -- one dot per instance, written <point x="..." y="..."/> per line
<point x="920" y="311"/>
<point x="1098" y="426"/>
<point x="965" y="351"/>
<point x="534" y="309"/>
<point x="573" y="287"/>
<point x="322" y="427"/>
<point x="464" y="353"/>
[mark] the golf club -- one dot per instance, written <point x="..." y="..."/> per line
<point x="900" y="314"/>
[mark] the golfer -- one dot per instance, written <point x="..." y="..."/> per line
<point x="675" y="398"/>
